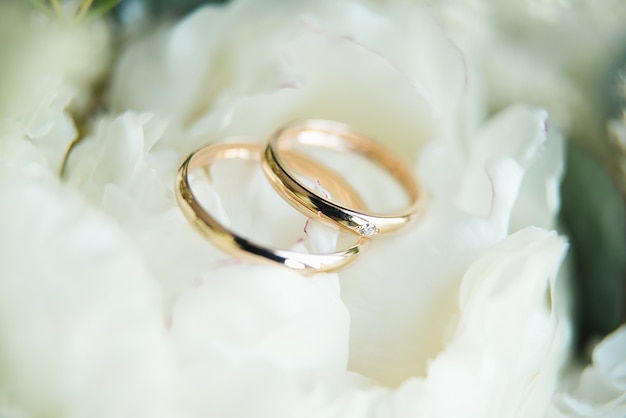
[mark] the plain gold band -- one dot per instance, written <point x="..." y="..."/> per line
<point x="340" y="137"/>
<point x="232" y="243"/>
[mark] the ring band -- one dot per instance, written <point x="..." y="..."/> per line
<point x="338" y="136"/>
<point x="229" y="241"/>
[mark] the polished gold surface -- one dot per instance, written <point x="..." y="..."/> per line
<point x="239" y="246"/>
<point x="338" y="136"/>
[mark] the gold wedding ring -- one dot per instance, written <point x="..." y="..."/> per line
<point x="338" y="136"/>
<point x="230" y="242"/>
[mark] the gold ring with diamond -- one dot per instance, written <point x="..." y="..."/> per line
<point x="338" y="136"/>
<point x="229" y="241"/>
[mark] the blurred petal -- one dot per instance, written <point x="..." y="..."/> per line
<point x="82" y="329"/>
<point x="600" y="390"/>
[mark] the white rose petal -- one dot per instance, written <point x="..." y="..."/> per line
<point x="82" y="327"/>
<point x="50" y="69"/>
<point x="601" y="388"/>
<point x="497" y="361"/>
<point x="267" y="313"/>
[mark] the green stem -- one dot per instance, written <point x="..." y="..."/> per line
<point x="82" y="11"/>
<point x="102" y="7"/>
<point x="56" y="6"/>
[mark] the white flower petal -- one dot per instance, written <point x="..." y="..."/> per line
<point x="610" y="360"/>
<point x="242" y="311"/>
<point x="333" y="91"/>
<point x="601" y="387"/>
<point x="519" y="133"/>
<point x="539" y="201"/>
<point x="82" y="329"/>
<point x="401" y="293"/>
<point x="503" y="348"/>
<point x="47" y="68"/>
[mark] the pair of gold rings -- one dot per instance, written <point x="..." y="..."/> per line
<point x="281" y="162"/>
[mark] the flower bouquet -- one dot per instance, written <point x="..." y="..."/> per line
<point x="502" y="297"/>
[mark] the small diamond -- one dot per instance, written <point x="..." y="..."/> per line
<point x="367" y="230"/>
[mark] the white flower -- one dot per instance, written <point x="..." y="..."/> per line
<point x="112" y="305"/>
<point x="517" y="43"/>
<point x="47" y="68"/>
<point x="601" y="389"/>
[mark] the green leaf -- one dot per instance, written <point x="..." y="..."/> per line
<point x="101" y="7"/>
<point x="593" y="214"/>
